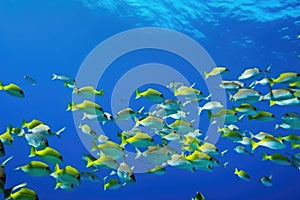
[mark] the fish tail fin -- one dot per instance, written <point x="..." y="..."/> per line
<point x="254" y="145"/>
<point x="57" y="185"/>
<point x="1" y="85"/>
<point x="186" y="102"/>
<point x="5" y="161"/>
<point x="206" y="75"/>
<point x="219" y="129"/>
<point x="253" y="84"/>
<point x="70" y="106"/>
<point x="270" y="177"/>
<point x="230" y="96"/>
<point x="136" y="120"/>
<point x="84" y="116"/>
<point x="271" y="81"/>
<point x="100" y="92"/>
<point x="223" y="152"/>
<point x="241" y="117"/>
<point x="32" y="152"/>
<point x="22" y="133"/>
<point x="251" y="135"/>
<point x="141" y="110"/>
<point x="200" y="110"/>
<point x="225" y="164"/>
<point x="56" y="168"/>
<point x="294" y="146"/>
<point x="24" y="123"/>
<point x="236" y="171"/>
<point x="59" y="131"/>
<point x="54" y="76"/>
<point x="137" y="94"/>
<point x="89" y="162"/>
<point x="139" y="153"/>
<point x="209" y="114"/>
<point x="272" y="102"/>
<point x="265" y="156"/>
<point x="94" y="146"/>
<point x="208" y="97"/>
<point x="17" y="168"/>
<point x="123" y="140"/>
<point x="233" y="108"/>
<point x="268" y="69"/>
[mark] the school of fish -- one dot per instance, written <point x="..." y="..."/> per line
<point x="164" y="136"/>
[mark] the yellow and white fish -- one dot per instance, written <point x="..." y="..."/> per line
<point x="110" y="148"/>
<point x="287" y="77"/>
<point x="211" y="106"/>
<point x="127" y="114"/>
<point x="245" y="108"/>
<point x="252" y="72"/>
<point x="88" y="91"/>
<point x="215" y="71"/>
<point x="266" y="180"/>
<point x="140" y="139"/>
<point x="232" y="85"/>
<point x="12" y="89"/>
<point x="68" y="81"/>
<point x="35" y="168"/>
<point x="69" y="175"/>
<point x="150" y="94"/>
<point x="269" y="142"/>
<point x="47" y="154"/>
<point x="87" y="107"/>
<point x="6" y="137"/>
<point x="277" y="158"/>
<point x="242" y="174"/>
<point x="246" y="95"/>
<point x="262" y="116"/>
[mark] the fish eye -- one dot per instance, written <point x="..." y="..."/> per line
<point x="235" y="114"/>
<point x="260" y="70"/>
<point x="210" y="158"/>
<point x="48" y="131"/>
<point x="273" y="115"/>
<point x="254" y="109"/>
<point x="47" y="168"/>
<point x="297" y="74"/>
<point x="201" y="92"/>
<point x="259" y="93"/>
<point x="151" y="140"/>
<point x="60" y="157"/>
<point x="161" y="95"/>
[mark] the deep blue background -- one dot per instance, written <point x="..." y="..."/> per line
<point x="44" y="37"/>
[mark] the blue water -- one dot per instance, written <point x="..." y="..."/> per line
<point x="44" y="37"/>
